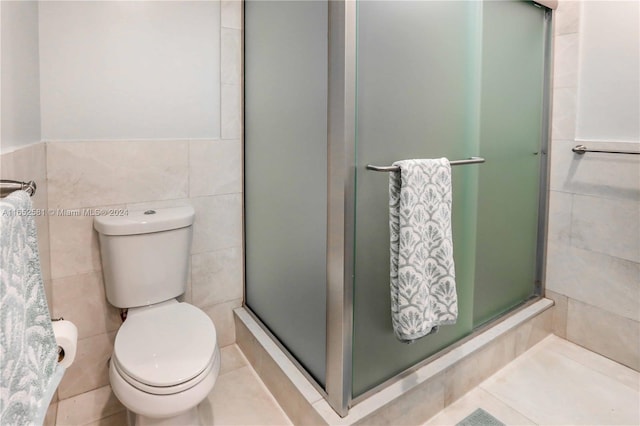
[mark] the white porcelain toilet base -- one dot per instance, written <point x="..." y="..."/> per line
<point x="173" y="409"/>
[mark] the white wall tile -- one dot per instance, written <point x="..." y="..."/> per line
<point x="215" y="167"/>
<point x="559" y="312"/>
<point x="560" y="205"/>
<point x="607" y="282"/>
<point x="606" y="226"/>
<point x="562" y="166"/>
<point x="597" y="264"/>
<point x="222" y="317"/>
<point x="74" y="246"/>
<point x="218" y="222"/>
<point x="90" y="369"/>
<point x="86" y="174"/>
<point x="565" y="61"/>
<point x="217" y="276"/>
<point x="158" y="204"/>
<point x="81" y="299"/>
<point x="567" y="17"/>
<point x="231" y="114"/>
<point x="556" y="258"/>
<point x="231" y="14"/>
<point x="563" y="124"/>
<point x="611" y="335"/>
<point x="231" y="56"/>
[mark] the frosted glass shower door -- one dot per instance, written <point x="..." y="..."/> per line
<point x="448" y="79"/>
<point x="286" y="173"/>
<point x="511" y="129"/>
<point x="418" y="97"/>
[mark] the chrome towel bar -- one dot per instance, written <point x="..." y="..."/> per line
<point x="8" y="186"/>
<point x="581" y="149"/>
<point x="471" y="160"/>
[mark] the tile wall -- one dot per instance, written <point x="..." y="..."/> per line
<point x="593" y="262"/>
<point x="76" y="177"/>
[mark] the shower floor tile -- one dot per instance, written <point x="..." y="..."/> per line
<point x="554" y="383"/>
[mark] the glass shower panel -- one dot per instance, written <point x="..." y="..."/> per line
<point x="448" y="79"/>
<point x="510" y="136"/>
<point x="286" y="173"/>
<point x="418" y="97"/>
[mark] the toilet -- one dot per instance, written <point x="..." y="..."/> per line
<point x="166" y="358"/>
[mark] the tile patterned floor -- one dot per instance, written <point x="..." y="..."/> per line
<point x="554" y="383"/>
<point x="239" y="396"/>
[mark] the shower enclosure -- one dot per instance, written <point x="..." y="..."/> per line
<point x="333" y="86"/>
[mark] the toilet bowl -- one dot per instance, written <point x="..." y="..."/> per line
<point x="165" y="362"/>
<point x="166" y="358"/>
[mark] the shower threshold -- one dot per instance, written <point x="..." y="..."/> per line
<point x="413" y="396"/>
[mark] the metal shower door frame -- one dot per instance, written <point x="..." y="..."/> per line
<point x="341" y="179"/>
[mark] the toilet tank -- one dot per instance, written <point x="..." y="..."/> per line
<point x="145" y="255"/>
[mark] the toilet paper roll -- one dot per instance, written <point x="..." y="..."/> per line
<point x="66" y="334"/>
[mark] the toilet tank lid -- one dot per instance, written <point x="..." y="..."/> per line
<point x="145" y="221"/>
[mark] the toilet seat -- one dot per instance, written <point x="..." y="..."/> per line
<point x="166" y="390"/>
<point x="166" y="348"/>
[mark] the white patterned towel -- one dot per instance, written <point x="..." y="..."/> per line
<point x="29" y="369"/>
<point x="423" y="288"/>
